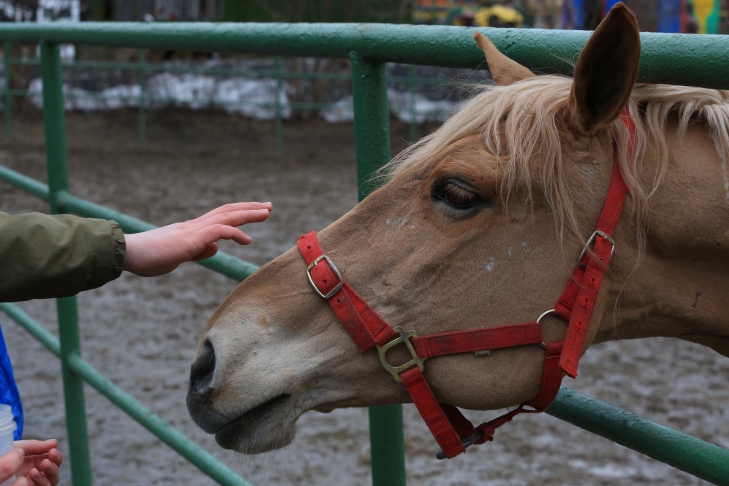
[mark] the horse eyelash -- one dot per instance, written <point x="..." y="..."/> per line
<point x="459" y="194"/>
<point x="442" y="190"/>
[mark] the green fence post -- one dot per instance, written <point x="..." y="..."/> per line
<point x="279" y="114"/>
<point x="142" y="96"/>
<point x="372" y="135"/>
<point x="56" y="153"/>
<point x="8" y="87"/>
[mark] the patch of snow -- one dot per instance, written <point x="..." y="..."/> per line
<point x="254" y="98"/>
<point x="251" y="98"/>
<point x="418" y="108"/>
<point x="341" y="111"/>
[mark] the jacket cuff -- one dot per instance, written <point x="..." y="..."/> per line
<point x="120" y="249"/>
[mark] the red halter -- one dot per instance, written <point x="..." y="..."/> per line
<point x="451" y="429"/>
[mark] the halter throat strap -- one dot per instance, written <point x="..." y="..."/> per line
<point x="451" y="430"/>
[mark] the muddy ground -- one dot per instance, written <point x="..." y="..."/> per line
<point x="142" y="333"/>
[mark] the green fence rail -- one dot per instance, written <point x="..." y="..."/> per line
<point x="676" y="59"/>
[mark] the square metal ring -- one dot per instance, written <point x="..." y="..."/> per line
<point x="403" y="338"/>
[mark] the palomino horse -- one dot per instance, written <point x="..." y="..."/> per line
<point x="478" y="227"/>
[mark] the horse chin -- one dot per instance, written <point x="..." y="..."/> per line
<point x="267" y="427"/>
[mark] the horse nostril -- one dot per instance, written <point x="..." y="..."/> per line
<point x="201" y="373"/>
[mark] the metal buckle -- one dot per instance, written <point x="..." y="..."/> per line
<point x="404" y="339"/>
<point x="336" y="271"/>
<point x="591" y="241"/>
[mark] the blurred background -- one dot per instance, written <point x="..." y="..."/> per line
<point x="290" y="88"/>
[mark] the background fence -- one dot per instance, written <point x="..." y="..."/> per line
<point x="263" y="88"/>
<point x="698" y="60"/>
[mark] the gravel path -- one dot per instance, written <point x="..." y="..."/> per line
<point x="142" y="333"/>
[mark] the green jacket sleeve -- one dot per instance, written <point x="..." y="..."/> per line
<point x="44" y="256"/>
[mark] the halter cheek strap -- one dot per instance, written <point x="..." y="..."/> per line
<point x="449" y="427"/>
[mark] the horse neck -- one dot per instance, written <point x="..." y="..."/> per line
<point x="678" y="285"/>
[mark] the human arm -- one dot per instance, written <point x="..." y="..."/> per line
<point x="161" y="250"/>
<point x="43" y="256"/>
<point x="32" y="462"/>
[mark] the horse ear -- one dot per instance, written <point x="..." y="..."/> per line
<point x="606" y="71"/>
<point x="503" y="70"/>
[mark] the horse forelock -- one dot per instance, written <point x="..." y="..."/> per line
<point x="522" y="124"/>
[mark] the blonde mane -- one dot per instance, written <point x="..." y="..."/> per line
<point x="520" y="123"/>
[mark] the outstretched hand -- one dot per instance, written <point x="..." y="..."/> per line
<point x="33" y="463"/>
<point x="161" y="250"/>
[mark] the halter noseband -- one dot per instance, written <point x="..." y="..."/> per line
<point x="451" y="429"/>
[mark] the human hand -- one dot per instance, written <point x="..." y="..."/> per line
<point x="161" y="250"/>
<point x="33" y="463"/>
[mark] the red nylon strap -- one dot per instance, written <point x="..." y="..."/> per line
<point x="362" y="323"/>
<point x="463" y="426"/>
<point x="478" y="340"/>
<point x="578" y="300"/>
<point x="551" y="378"/>
<point x="432" y="413"/>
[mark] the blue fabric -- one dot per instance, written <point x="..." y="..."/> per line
<point x="610" y="4"/>
<point x="8" y="389"/>
<point x="577" y="13"/>
<point x="669" y="15"/>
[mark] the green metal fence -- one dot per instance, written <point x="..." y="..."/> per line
<point x="675" y="59"/>
<point x="277" y="73"/>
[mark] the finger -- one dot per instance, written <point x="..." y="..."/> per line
<point x="209" y="251"/>
<point x="236" y="218"/>
<point x="217" y="232"/>
<point x="233" y="207"/>
<point x="50" y="472"/>
<point x="39" y="479"/>
<point x="36" y="447"/>
<point x="10" y="463"/>
<point x="20" y="481"/>
<point x="55" y="456"/>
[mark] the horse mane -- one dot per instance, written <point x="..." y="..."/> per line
<point x="522" y="125"/>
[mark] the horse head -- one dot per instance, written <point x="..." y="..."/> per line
<point x="477" y="225"/>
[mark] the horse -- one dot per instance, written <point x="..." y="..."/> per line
<point x="479" y="225"/>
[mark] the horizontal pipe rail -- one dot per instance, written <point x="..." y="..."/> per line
<point x="25" y="183"/>
<point x="695" y="456"/>
<point x="696" y="60"/>
<point x="198" y="456"/>
<point x="243" y="72"/>
<point x="202" y="102"/>
<point x="33" y="327"/>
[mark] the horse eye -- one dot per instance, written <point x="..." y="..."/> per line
<point x="455" y="195"/>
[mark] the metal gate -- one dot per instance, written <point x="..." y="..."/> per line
<point x="666" y="58"/>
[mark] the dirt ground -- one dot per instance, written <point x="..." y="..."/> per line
<point x="142" y="333"/>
